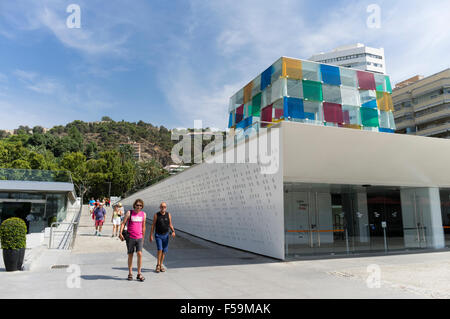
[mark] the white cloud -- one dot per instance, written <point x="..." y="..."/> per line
<point x="250" y="35"/>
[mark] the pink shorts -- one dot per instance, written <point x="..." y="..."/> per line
<point x="98" y="223"/>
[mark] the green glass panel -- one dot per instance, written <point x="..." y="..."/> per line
<point x="256" y="105"/>
<point x="388" y="84"/>
<point x="312" y="90"/>
<point x="369" y="117"/>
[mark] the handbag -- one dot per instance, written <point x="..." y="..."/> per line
<point x="125" y="233"/>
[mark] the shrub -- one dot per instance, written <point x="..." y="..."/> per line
<point x="13" y="233"/>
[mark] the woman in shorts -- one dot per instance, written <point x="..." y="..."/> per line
<point x="116" y="219"/>
<point x="135" y="221"/>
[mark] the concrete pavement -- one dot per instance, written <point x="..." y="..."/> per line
<point x="97" y="268"/>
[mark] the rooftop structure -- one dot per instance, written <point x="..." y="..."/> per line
<point x="357" y="56"/>
<point x="309" y="92"/>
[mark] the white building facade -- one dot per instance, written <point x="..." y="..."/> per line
<point x="356" y="56"/>
<point x="334" y="191"/>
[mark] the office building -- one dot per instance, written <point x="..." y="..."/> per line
<point x="422" y="105"/>
<point x="356" y="56"/>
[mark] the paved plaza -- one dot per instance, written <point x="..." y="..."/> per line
<point x="97" y="268"/>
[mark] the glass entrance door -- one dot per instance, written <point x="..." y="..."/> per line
<point x="313" y="224"/>
<point x="414" y="201"/>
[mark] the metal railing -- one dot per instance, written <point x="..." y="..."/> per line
<point x="69" y="235"/>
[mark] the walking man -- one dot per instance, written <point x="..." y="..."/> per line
<point x="99" y="214"/>
<point x="162" y="221"/>
<point x="136" y="231"/>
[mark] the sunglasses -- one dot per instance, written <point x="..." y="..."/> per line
<point x="137" y="205"/>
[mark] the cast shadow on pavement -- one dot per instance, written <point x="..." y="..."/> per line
<point x="186" y="250"/>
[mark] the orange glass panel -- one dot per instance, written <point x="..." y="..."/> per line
<point x="292" y="68"/>
<point x="248" y="92"/>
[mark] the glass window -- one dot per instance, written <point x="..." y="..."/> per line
<point x="384" y="101"/>
<point x="248" y="92"/>
<point x="351" y="114"/>
<point x="231" y="119"/>
<point x="292" y="68"/>
<point x="266" y="77"/>
<point x="387" y="120"/>
<point x="278" y="90"/>
<point x="332" y="113"/>
<point x="266" y="115"/>
<point x="294" y="88"/>
<point x="266" y="97"/>
<point x="332" y="93"/>
<point x="278" y="110"/>
<point x="312" y="90"/>
<point x="256" y="105"/>
<point x="350" y="96"/>
<point x="256" y="86"/>
<point x="313" y="111"/>
<point x="277" y="68"/>
<point x="366" y="80"/>
<point x="330" y="74"/>
<point x="348" y="77"/>
<point x="311" y="71"/>
<point x="368" y="98"/>
<point x="369" y="117"/>
<point x="388" y="84"/>
<point x="380" y="82"/>
<point x="239" y="114"/>
<point x="293" y="108"/>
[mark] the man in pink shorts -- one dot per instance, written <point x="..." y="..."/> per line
<point x="99" y="213"/>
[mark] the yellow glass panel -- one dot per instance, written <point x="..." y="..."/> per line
<point x="382" y="101"/>
<point x="248" y="92"/>
<point x="292" y="68"/>
<point x="389" y="103"/>
<point x="354" y="126"/>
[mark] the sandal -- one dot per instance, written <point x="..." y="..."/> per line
<point x="130" y="277"/>
<point x="140" y="277"/>
<point x="157" y="268"/>
<point x="162" y="268"/>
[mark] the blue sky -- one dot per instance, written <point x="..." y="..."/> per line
<point x="172" y="62"/>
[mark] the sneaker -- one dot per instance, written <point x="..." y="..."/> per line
<point x="95" y="234"/>
<point x="99" y="234"/>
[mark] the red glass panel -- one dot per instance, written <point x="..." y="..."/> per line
<point x="266" y="115"/>
<point x="333" y="112"/>
<point x="366" y="80"/>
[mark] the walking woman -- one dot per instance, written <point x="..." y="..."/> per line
<point x="162" y="221"/>
<point x="135" y="219"/>
<point x="116" y="219"/>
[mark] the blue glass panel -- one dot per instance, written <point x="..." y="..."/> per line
<point x="330" y="74"/>
<point x="385" y="130"/>
<point x="372" y="104"/>
<point x="310" y="116"/>
<point x="266" y="77"/>
<point x="230" y="120"/>
<point x="293" y="108"/>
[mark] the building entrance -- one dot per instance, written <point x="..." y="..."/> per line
<point x="328" y="219"/>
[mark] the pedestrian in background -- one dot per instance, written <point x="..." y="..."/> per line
<point x="99" y="215"/>
<point x="116" y="219"/>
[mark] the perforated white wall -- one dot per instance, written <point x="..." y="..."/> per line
<point x="231" y="204"/>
